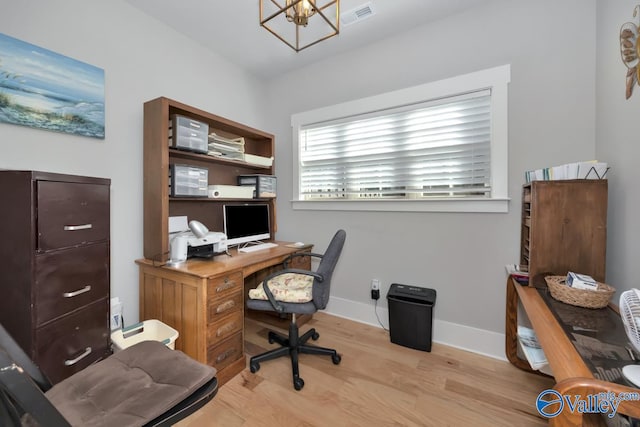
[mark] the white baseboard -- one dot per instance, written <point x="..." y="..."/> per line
<point x="464" y="337"/>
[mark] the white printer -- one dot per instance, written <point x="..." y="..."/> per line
<point x="198" y="242"/>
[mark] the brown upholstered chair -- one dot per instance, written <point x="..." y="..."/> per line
<point x="146" y="384"/>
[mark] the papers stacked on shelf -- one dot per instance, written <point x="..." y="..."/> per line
<point x="518" y="272"/>
<point x="258" y="160"/>
<point x="531" y="348"/>
<point x="226" y="147"/>
<point x="592" y="169"/>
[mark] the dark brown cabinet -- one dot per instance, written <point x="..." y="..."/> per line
<point x="564" y="228"/>
<point x="54" y="277"/>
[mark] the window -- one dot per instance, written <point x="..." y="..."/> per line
<point x="441" y="146"/>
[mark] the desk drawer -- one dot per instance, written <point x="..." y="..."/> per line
<point x="73" y="342"/>
<point x="70" y="214"/>
<point x="223" y="286"/>
<point x="69" y="279"/>
<point x="301" y="262"/>
<point x="226" y="352"/>
<point x="225" y="327"/>
<point x="220" y="307"/>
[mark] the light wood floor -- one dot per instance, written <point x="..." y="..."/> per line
<point x="377" y="384"/>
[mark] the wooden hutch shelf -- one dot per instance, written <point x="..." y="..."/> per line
<point x="158" y="156"/>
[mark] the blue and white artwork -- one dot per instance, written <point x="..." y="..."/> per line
<point x="43" y="89"/>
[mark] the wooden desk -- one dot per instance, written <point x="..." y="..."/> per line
<point x="572" y="375"/>
<point x="204" y="301"/>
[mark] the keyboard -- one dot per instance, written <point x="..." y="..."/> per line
<point x="259" y="247"/>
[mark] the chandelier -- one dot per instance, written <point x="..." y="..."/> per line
<point x="277" y="19"/>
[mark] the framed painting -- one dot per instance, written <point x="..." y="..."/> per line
<point x="43" y="89"/>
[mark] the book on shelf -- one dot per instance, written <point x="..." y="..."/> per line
<point x="518" y="272"/>
<point x="592" y="169"/>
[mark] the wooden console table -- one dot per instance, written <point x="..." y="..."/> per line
<point x="204" y="301"/>
<point x="573" y="375"/>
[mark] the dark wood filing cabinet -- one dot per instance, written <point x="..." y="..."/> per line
<point x="54" y="268"/>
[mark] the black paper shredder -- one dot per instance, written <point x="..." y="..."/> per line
<point x="411" y="315"/>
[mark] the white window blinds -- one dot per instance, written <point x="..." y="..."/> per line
<point x="439" y="148"/>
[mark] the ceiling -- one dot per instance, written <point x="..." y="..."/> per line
<point x="232" y="28"/>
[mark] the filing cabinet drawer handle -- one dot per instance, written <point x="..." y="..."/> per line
<point x="226" y="354"/>
<point x="225" y="306"/>
<point x="77" y="227"/>
<point x="227" y="284"/>
<point x="76" y="293"/>
<point x="225" y="329"/>
<point x="72" y="362"/>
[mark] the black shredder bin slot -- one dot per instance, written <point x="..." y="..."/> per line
<point x="411" y="315"/>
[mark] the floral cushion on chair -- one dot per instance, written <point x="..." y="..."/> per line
<point x="288" y="287"/>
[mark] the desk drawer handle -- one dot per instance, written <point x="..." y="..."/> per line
<point x="223" y="356"/>
<point x="225" y="306"/>
<point x="227" y="284"/>
<point x="77" y="227"/>
<point x="225" y="329"/>
<point x="72" y="362"/>
<point x="78" y="292"/>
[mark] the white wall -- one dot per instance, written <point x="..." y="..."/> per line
<point x="143" y="59"/>
<point x="618" y="144"/>
<point x="550" y="46"/>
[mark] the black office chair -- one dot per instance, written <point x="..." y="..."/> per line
<point x="146" y="384"/>
<point x="295" y="344"/>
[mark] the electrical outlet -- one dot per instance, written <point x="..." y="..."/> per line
<point x="375" y="289"/>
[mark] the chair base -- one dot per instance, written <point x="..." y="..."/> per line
<point x="292" y="346"/>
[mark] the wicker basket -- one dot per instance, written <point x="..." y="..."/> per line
<point x="579" y="297"/>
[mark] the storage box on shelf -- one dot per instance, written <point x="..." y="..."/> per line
<point x="159" y="155"/>
<point x="187" y="134"/>
<point x="265" y="185"/>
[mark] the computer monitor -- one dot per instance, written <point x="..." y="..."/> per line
<point x="244" y="223"/>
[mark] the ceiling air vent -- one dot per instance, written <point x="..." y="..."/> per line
<point x="356" y="14"/>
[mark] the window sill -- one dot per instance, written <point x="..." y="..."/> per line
<point x="432" y="205"/>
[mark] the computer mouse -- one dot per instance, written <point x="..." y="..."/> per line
<point x="298" y="244"/>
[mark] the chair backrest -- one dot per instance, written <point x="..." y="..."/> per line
<point x="321" y="290"/>
<point x="11" y="347"/>
<point x="21" y="397"/>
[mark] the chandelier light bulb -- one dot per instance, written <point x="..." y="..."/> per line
<point x="299" y="12"/>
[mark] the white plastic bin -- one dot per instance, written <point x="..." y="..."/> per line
<point x="148" y="330"/>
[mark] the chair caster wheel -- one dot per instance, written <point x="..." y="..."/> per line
<point x="298" y="383"/>
<point x="315" y="336"/>
<point x="270" y="337"/>
<point x="254" y="367"/>
<point x="336" y="358"/>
